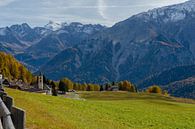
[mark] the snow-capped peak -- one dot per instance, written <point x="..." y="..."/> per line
<point x="53" y="25"/>
<point x="172" y="13"/>
<point x="186" y="6"/>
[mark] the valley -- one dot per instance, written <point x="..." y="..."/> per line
<point x="120" y="66"/>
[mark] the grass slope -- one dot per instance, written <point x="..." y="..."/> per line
<point x="105" y="110"/>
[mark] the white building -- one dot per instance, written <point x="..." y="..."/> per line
<point x="40" y="82"/>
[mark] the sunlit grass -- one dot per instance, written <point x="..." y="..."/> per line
<point x="107" y="110"/>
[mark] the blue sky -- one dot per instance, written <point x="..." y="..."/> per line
<point x="107" y="12"/>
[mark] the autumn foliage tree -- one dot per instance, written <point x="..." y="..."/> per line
<point x="127" y="86"/>
<point x="13" y="70"/>
<point x="154" y="89"/>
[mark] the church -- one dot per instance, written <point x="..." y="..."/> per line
<point x="41" y="85"/>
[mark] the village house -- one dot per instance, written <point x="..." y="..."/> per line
<point x="39" y="87"/>
<point x="114" y="88"/>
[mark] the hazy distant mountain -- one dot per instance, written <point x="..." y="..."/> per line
<point x="25" y="33"/>
<point x="54" y="39"/>
<point x="134" y="49"/>
<point x="16" y="38"/>
<point x="10" y="42"/>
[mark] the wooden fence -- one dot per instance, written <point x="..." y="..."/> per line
<point x="10" y="116"/>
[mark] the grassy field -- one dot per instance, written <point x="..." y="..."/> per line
<point x="107" y="110"/>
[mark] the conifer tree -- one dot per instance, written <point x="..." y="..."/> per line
<point x="54" y="91"/>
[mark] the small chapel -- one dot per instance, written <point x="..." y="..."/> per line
<point x="41" y="86"/>
<point x="40" y="83"/>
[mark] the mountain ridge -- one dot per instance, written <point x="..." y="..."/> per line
<point x="136" y="48"/>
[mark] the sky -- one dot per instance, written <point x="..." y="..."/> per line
<point x="106" y="12"/>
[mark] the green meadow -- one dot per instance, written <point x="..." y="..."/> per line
<point x="105" y="110"/>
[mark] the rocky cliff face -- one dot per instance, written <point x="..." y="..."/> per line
<point x="133" y="49"/>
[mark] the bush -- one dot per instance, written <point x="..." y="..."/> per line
<point x="127" y="86"/>
<point x="165" y="93"/>
<point x="63" y="87"/>
<point x="154" y="89"/>
<point x="54" y="91"/>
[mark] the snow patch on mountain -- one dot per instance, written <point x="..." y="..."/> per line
<point x="188" y="6"/>
<point x="88" y="30"/>
<point x="62" y="32"/>
<point x="53" y="25"/>
<point x="171" y="13"/>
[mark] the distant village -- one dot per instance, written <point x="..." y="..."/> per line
<point x="55" y="88"/>
<point x="49" y="87"/>
<point x="39" y="87"/>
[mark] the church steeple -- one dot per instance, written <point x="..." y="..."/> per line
<point x="40" y="81"/>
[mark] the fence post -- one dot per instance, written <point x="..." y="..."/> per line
<point x="5" y="116"/>
<point x="10" y="117"/>
<point x="1" y="126"/>
<point x="2" y="94"/>
<point x="18" y="117"/>
<point x="8" y="102"/>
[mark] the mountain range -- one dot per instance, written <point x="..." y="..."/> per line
<point x="35" y="46"/>
<point x="135" y="49"/>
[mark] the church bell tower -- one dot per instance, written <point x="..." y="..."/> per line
<point x="40" y="81"/>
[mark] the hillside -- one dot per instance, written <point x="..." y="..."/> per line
<point x="12" y="69"/>
<point x="178" y="81"/>
<point x="106" y="110"/>
<point x="183" y="88"/>
<point x="168" y="76"/>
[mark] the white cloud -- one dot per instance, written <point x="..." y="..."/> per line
<point x="108" y="12"/>
<point x="102" y="8"/>
<point x="5" y="2"/>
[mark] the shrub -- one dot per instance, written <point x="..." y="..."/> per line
<point x="63" y="87"/>
<point x="165" y="93"/>
<point x="127" y="86"/>
<point x="54" y="91"/>
<point x="154" y="89"/>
